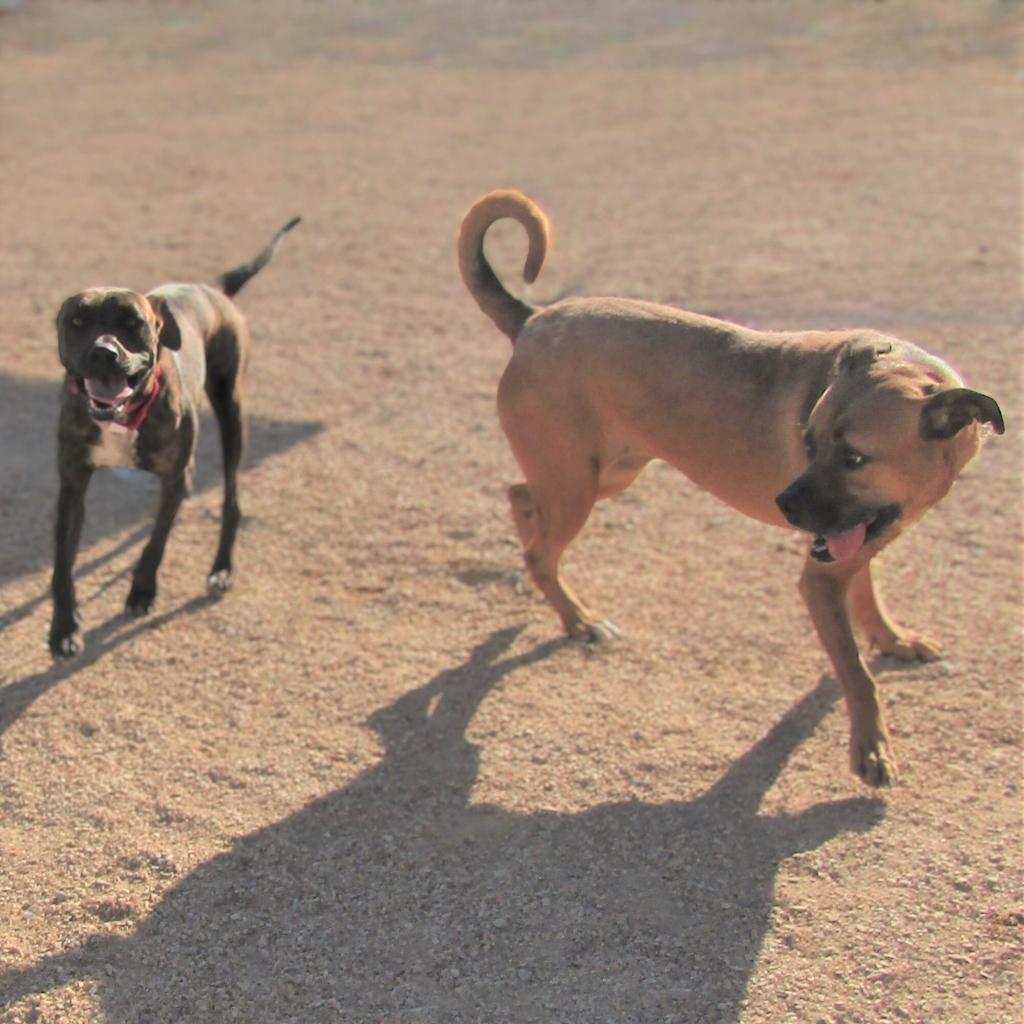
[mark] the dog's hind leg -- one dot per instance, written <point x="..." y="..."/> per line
<point x="225" y="394"/>
<point x="871" y="617"/>
<point x="546" y="523"/>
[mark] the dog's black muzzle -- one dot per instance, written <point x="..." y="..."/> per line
<point x="104" y="356"/>
<point x="110" y="377"/>
<point x="804" y="507"/>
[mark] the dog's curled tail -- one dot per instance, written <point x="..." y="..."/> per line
<point x="508" y="312"/>
<point x="231" y="283"/>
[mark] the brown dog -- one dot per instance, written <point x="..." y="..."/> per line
<point x="136" y="367"/>
<point x="849" y="435"/>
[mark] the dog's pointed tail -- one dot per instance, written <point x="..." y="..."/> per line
<point x="508" y="312"/>
<point x="231" y="283"/>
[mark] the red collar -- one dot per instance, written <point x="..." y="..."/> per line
<point x="132" y="416"/>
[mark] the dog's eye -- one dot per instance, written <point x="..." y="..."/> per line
<point x="853" y="459"/>
<point x="809" y="445"/>
<point x="77" y="321"/>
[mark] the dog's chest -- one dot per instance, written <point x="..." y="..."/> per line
<point x="115" y="447"/>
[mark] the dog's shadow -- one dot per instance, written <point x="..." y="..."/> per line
<point x="103" y="640"/>
<point x="399" y="898"/>
<point x="117" y="501"/>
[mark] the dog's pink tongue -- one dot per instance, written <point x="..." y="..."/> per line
<point x="108" y="391"/>
<point x="846" y="544"/>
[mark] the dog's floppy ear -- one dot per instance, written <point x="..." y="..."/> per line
<point x="167" y="326"/>
<point x="65" y="309"/>
<point x="861" y="352"/>
<point x="948" y="412"/>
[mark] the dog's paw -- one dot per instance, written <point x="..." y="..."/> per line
<point x="218" y="583"/>
<point x="910" y="647"/>
<point x="140" y="602"/>
<point x="872" y="762"/>
<point x="68" y="645"/>
<point x="595" y="631"/>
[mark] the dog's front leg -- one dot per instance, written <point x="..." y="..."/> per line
<point x="143" y="591"/>
<point x="65" y="638"/>
<point x="825" y="590"/>
<point x="872" y="618"/>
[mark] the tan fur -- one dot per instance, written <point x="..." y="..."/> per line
<point x="508" y="312"/>
<point x="114" y="448"/>
<point x="598" y="387"/>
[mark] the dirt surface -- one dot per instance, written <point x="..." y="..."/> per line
<point x="373" y="784"/>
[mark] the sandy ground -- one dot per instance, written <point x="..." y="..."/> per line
<point x="373" y="784"/>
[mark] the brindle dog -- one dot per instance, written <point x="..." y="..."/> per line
<point x="136" y="366"/>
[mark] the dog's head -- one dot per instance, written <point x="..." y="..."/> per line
<point x="884" y="442"/>
<point x="109" y="341"/>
